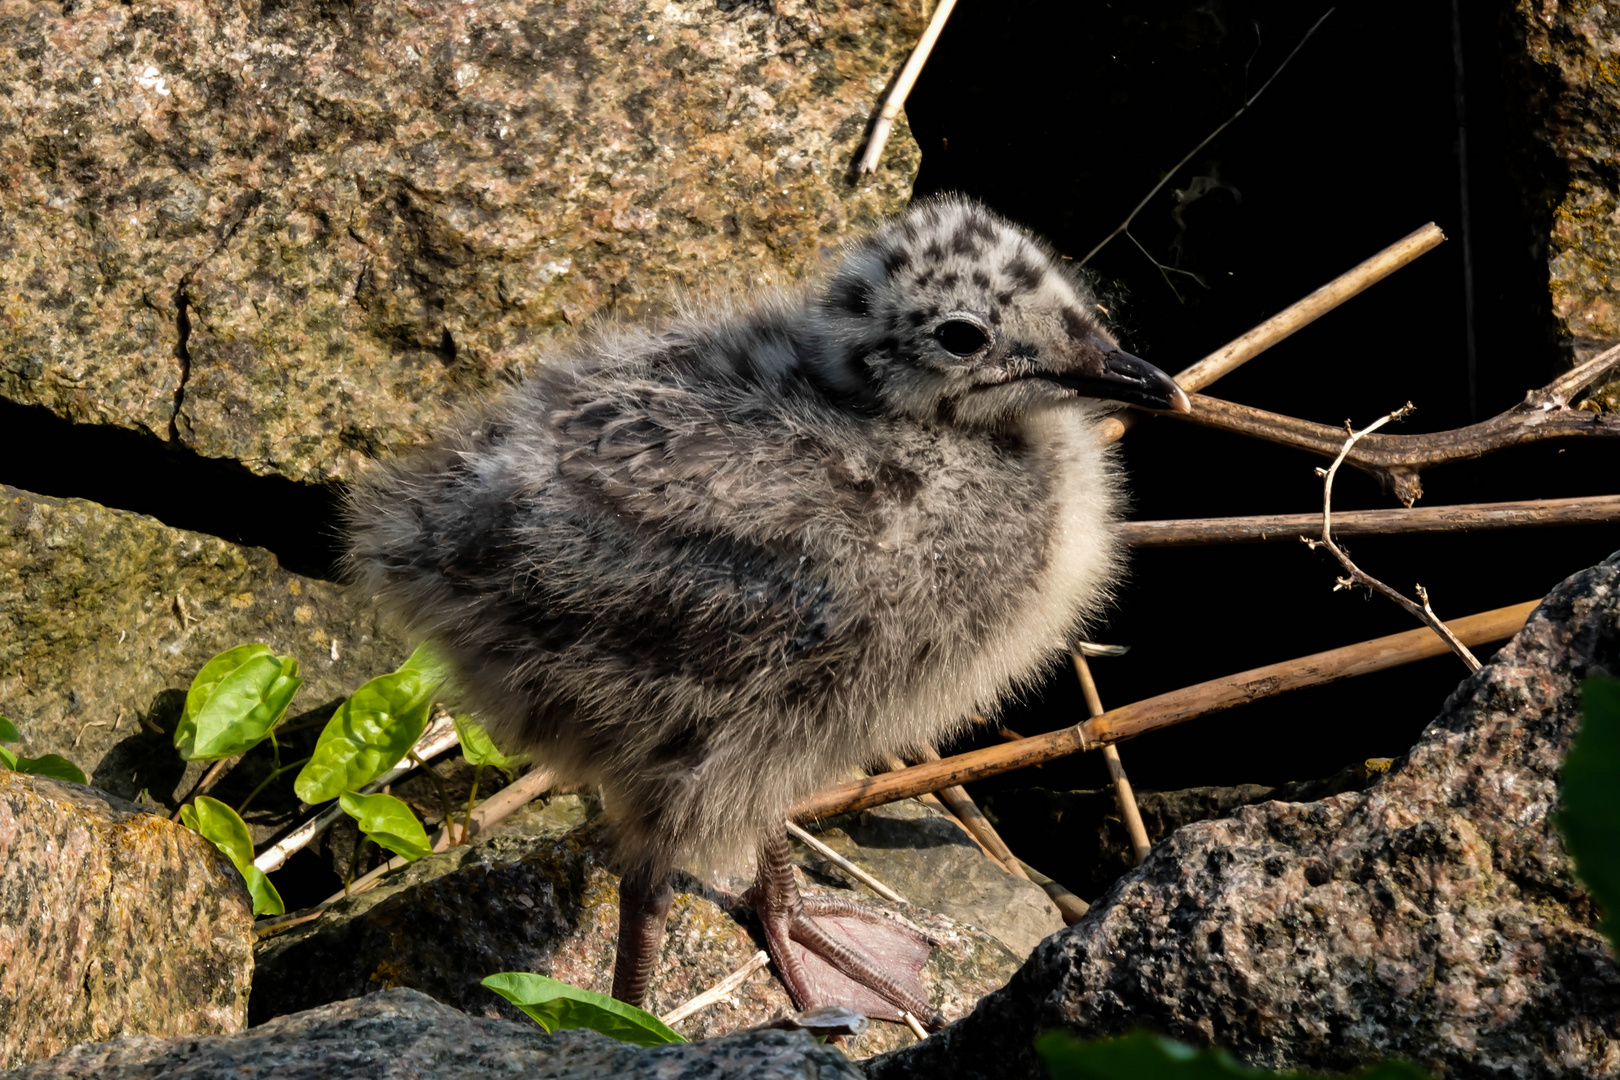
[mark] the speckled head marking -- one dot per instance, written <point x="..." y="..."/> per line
<point x="956" y="314"/>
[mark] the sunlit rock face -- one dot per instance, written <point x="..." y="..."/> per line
<point x="295" y="235"/>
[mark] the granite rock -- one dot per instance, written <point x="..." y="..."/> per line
<point x="405" y="1035"/>
<point x="1089" y="847"/>
<point x="519" y="902"/>
<point x="1433" y="916"/>
<point x="296" y="234"/>
<point x="113" y="921"/>
<point x="105" y="617"/>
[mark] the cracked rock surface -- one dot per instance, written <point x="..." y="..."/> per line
<point x="1433" y="916"/>
<point x="405" y="1035"/>
<point x="105" y="617"/>
<point x="296" y="235"/>
<point x="113" y="921"/>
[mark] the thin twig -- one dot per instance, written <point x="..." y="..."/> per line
<point x="1254" y="97"/>
<point x="965" y="810"/>
<point x="934" y="803"/>
<point x="1166" y="271"/>
<point x="1129" y="812"/>
<point x="1463" y="517"/>
<point x="1165" y="710"/>
<point x="493" y="809"/>
<point x="206" y="782"/>
<point x="815" y="844"/>
<point x="902" y="87"/>
<point x="718" y="991"/>
<point x="1396" y="460"/>
<point x="1295" y="317"/>
<point x="1358" y="576"/>
<point x="88" y="724"/>
<point x="439" y="737"/>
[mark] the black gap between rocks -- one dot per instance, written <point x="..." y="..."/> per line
<point x="131" y="470"/>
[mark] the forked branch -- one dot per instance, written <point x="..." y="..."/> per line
<point x="1396" y="460"/>
<point x="1355" y="575"/>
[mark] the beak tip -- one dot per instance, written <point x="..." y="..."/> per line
<point x="1179" y="402"/>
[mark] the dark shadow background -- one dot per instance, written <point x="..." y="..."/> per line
<point x="1063" y="115"/>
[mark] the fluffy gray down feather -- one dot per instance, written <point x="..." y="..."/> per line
<point x="715" y="566"/>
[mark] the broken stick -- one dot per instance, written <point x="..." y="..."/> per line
<point x="1165" y="710"/>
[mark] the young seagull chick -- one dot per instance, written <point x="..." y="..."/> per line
<point x="714" y="567"/>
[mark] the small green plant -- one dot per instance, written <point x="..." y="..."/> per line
<point x="388" y="823"/>
<point x="240" y="696"/>
<point x="228" y="832"/>
<point x="53" y="765"/>
<point x="1590" y="820"/>
<point x="234" y="702"/>
<point x="372" y="730"/>
<point x="557" y="1006"/>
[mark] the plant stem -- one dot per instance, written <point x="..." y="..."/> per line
<point x="472" y="797"/>
<point x="438" y="786"/>
<point x="266" y="783"/>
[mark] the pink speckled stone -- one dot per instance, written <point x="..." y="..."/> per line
<point x="1432" y="917"/>
<point x="113" y="921"/>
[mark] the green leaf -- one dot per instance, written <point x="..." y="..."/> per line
<point x="1144" y="1054"/>
<point x="1590" y="820"/>
<point x="556" y="1006"/>
<point x="368" y="734"/>
<point x="477" y="747"/>
<point x="389" y="823"/>
<point x="219" y="824"/>
<point x="430" y="660"/>
<point x="8" y="731"/>
<point x="234" y="701"/>
<point x="50" y="765"/>
<point x="8" y="758"/>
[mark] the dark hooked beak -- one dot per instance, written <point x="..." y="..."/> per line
<point x="1129" y="379"/>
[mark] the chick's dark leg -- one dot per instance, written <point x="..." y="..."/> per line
<point x="644" y="898"/>
<point x="851" y="957"/>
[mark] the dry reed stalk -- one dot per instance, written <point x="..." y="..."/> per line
<point x="1296" y="316"/>
<point x="973" y="820"/>
<point x="1129" y="812"/>
<point x="1069" y="905"/>
<point x="719" y="990"/>
<point x="1264" y="528"/>
<point x="902" y="87"/>
<point x="814" y="844"/>
<point x="1165" y="710"/>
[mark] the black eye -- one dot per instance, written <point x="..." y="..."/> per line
<point x="961" y="337"/>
